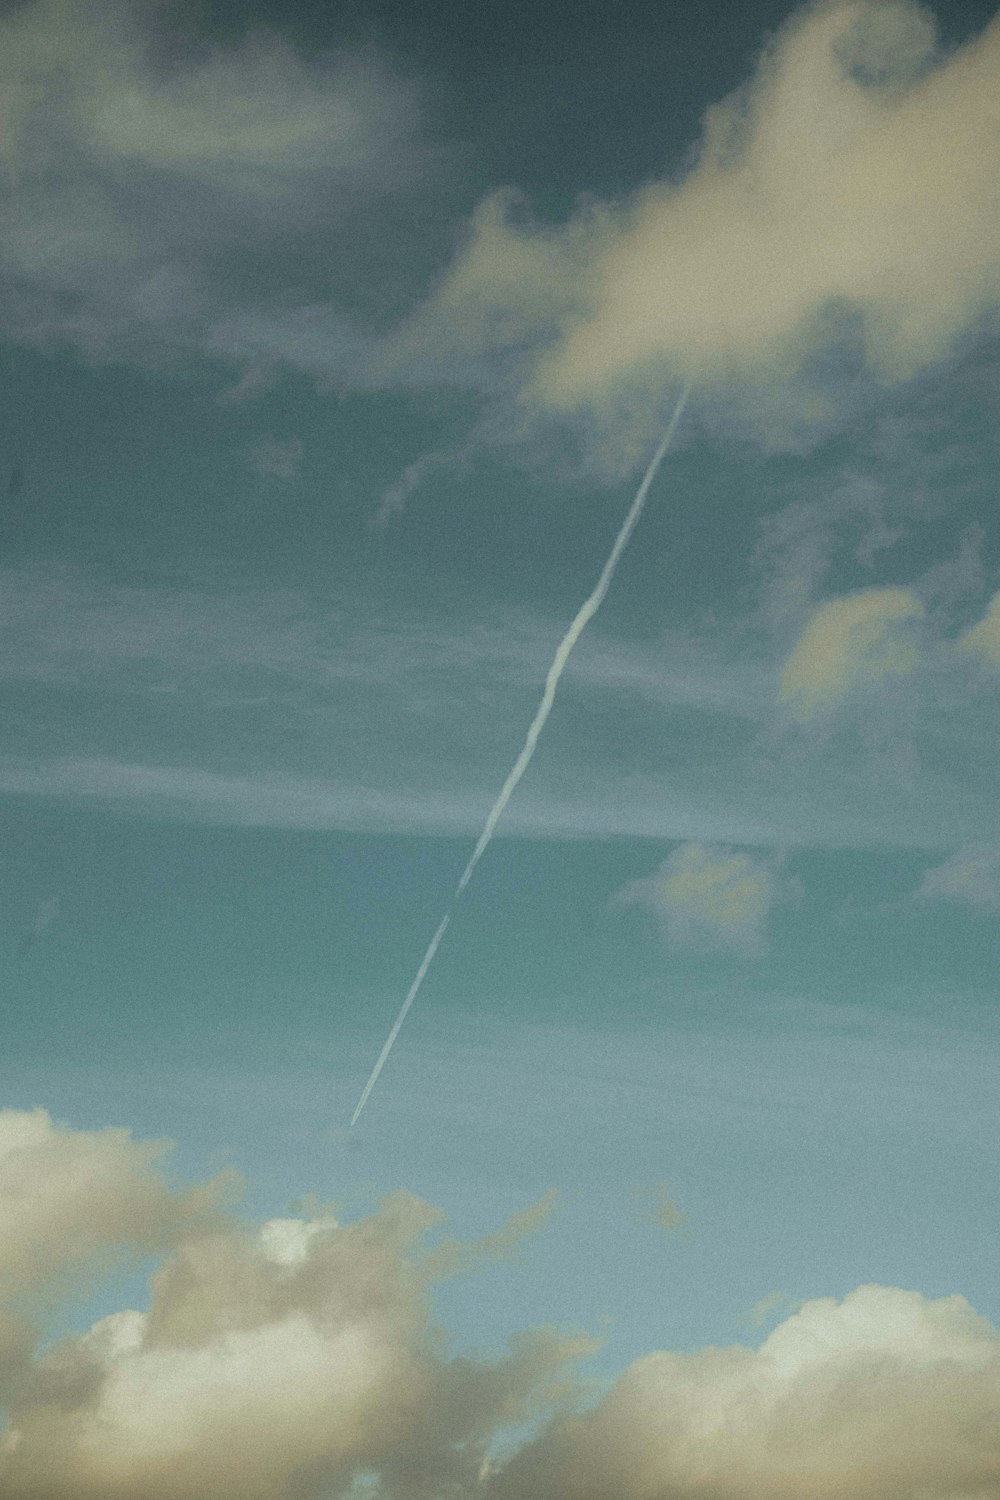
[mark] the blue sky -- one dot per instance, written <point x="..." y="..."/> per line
<point x="335" y="345"/>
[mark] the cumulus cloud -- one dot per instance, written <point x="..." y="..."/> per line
<point x="848" y="642"/>
<point x="971" y="876"/>
<point x="149" y="180"/>
<point x="272" y="1361"/>
<point x="297" y="1359"/>
<point x="883" y="1394"/>
<point x="73" y="1202"/>
<point x="67" y="1194"/>
<point x="708" y="894"/>
<point x="846" y="196"/>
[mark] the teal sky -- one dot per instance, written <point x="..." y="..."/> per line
<point x="334" y="343"/>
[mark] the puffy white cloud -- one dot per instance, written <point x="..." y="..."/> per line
<point x="68" y="1195"/>
<point x="272" y="1362"/>
<point x="848" y="642"/>
<point x="72" y="1203"/>
<point x="971" y="876"/>
<point x="886" y="1394"/>
<point x="850" y="190"/>
<point x="711" y="894"/>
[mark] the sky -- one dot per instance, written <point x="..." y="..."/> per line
<point x="335" y="342"/>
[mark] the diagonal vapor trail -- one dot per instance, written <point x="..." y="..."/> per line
<point x="584" y="615"/>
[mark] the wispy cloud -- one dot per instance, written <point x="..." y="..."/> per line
<point x="48" y="911"/>
<point x="393" y="499"/>
<point x="970" y="876"/>
<point x="662" y="1210"/>
<point x="983" y="639"/>
<point x="210" y="680"/>
<point x="277" y="459"/>
<point x="155" y="184"/>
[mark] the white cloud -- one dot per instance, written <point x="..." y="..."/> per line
<point x="884" y="1394"/>
<point x="66" y="1195"/>
<point x="271" y="1362"/>
<point x="970" y="875"/>
<point x="71" y="1202"/>
<point x="850" y="190"/>
<point x="855" y="640"/>
<point x="709" y="894"/>
<point x="298" y="1358"/>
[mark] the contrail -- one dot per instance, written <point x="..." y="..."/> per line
<point x="583" y="617"/>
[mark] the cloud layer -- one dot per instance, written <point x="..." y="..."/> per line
<point x="296" y="1360"/>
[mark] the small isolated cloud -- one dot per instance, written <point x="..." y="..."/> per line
<point x="983" y="639"/>
<point x="394" y="497"/>
<point x="885" y="1393"/>
<point x="662" y="1211"/>
<point x="768" y="1308"/>
<point x="710" y="895"/>
<point x="848" y="642"/>
<point x="277" y="460"/>
<point x="845" y="197"/>
<point x="971" y="876"/>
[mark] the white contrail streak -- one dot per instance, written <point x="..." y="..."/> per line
<point x="583" y="617"/>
